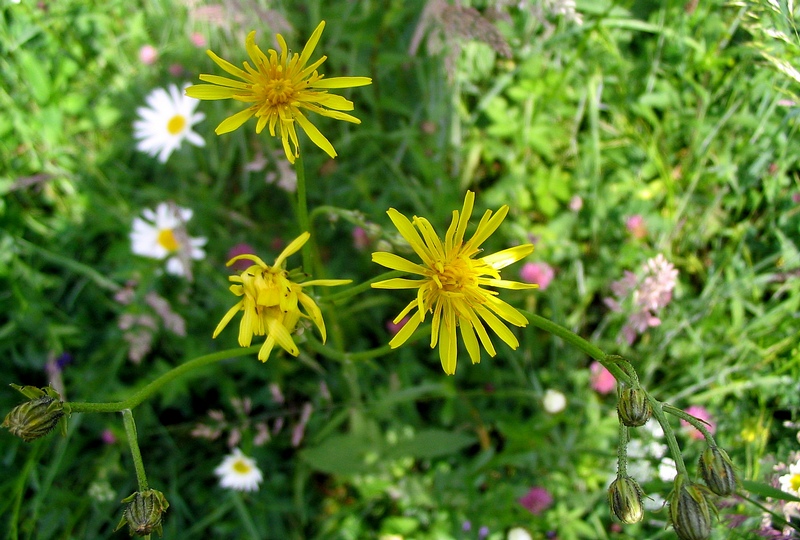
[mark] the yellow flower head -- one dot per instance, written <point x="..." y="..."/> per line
<point x="271" y="302"/>
<point x="277" y="87"/>
<point x="452" y="283"/>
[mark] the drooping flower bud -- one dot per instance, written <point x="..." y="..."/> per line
<point x="689" y="511"/>
<point x="633" y="407"/>
<point x="625" y="500"/>
<point x="37" y="417"/>
<point x="716" y="469"/>
<point x="144" y="513"/>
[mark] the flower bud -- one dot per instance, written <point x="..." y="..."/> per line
<point x="144" y="513"/>
<point x="625" y="500"/>
<point x="688" y="510"/>
<point x="717" y="471"/>
<point x="37" y="417"/>
<point x="633" y="407"/>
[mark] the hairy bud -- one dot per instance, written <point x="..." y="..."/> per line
<point x="716" y="469"/>
<point x="633" y="407"/>
<point x="625" y="500"/>
<point x="144" y="513"/>
<point x="37" y="417"/>
<point x="689" y="511"/>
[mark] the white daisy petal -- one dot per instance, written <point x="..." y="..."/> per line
<point x="166" y="122"/>
<point x="239" y="472"/>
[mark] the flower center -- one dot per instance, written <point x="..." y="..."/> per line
<point x="454" y="276"/>
<point x="167" y="240"/>
<point x="794" y="482"/>
<point x="241" y="467"/>
<point x="278" y="91"/>
<point x="176" y="124"/>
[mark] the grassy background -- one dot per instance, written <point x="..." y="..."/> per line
<point x="682" y="113"/>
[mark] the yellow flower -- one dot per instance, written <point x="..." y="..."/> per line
<point x="271" y="302"/>
<point x="277" y="87"/>
<point x="452" y="283"/>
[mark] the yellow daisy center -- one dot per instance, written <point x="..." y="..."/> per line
<point x="453" y="276"/>
<point x="167" y="240"/>
<point x="241" y="467"/>
<point x="176" y="124"/>
<point x="794" y="483"/>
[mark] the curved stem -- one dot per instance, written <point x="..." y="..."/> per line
<point x="697" y="423"/>
<point x="155" y="386"/>
<point x="133" y="442"/>
<point x="302" y="212"/>
<point x="672" y="443"/>
<point x="577" y="341"/>
<point x="361" y="287"/>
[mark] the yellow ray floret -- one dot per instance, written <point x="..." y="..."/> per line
<point x="276" y="88"/>
<point x="271" y="302"/>
<point x="452" y="281"/>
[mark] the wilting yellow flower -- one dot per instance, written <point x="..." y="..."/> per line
<point x="271" y="302"/>
<point x="278" y="86"/>
<point x="452" y="281"/>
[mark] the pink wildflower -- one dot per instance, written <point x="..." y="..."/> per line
<point x="603" y="382"/>
<point x="148" y="55"/>
<point x="108" y="436"/>
<point x="635" y="225"/>
<point x="360" y="238"/>
<point x="575" y="203"/>
<point x="394" y="328"/>
<point x="240" y="249"/>
<point x="539" y="273"/>
<point x="703" y="414"/>
<point x="537" y="500"/>
<point x="198" y="39"/>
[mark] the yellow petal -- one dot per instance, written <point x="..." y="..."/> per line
<point x="497" y="325"/>
<point x="505" y="284"/>
<point x="470" y="341"/>
<point x="506" y="311"/>
<point x="282" y="336"/>
<point x="266" y="349"/>
<point x="227" y="318"/>
<point x="314" y="313"/>
<point x="395" y="262"/>
<point x="210" y="91"/>
<point x="405" y="332"/>
<point x="315" y="134"/>
<point x="325" y="282"/>
<point x="234" y="122"/>
<point x="407" y="231"/>
<point x="448" y="347"/>
<point x="293" y="247"/>
<point x="247" y="257"/>
<point x="398" y="283"/>
<point x="227" y="66"/>
<point x="486" y="229"/>
<point x="311" y="44"/>
<point x="466" y="213"/>
<point x="224" y="81"/>
<point x="341" y="82"/>
<point x="503" y="258"/>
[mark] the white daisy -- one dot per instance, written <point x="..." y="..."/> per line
<point x="166" y="122"/>
<point x="239" y="472"/>
<point x="162" y="235"/>
<point x="790" y="483"/>
<point x="554" y="401"/>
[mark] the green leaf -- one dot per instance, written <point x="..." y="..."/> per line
<point x="35" y="75"/>
<point x="431" y="443"/>
<point x="342" y="454"/>
<point x="765" y="490"/>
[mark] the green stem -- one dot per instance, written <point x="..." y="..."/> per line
<point x="697" y="423"/>
<point x="622" y="451"/>
<point x="155" y="386"/>
<point x="133" y="442"/>
<point x="302" y="212"/>
<point x="575" y="340"/>
<point x="348" y="357"/>
<point x="361" y="287"/>
<point x="672" y="443"/>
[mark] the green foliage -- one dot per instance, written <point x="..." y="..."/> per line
<point x="684" y="114"/>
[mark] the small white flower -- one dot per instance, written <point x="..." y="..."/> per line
<point x="239" y="472"/>
<point x="518" y="533"/>
<point x="790" y="483"/>
<point x="166" y="122"/>
<point x="162" y="235"/>
<point x="554" y="401"/>
<point x="667" y="470"/>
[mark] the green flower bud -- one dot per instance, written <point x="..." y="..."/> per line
<point x="37" y="417"/>
<point x="144" y="513"/>
<point x="689" y="511"/>
<point x="625" y="500"/>
<point x="717" y="471"/>
<point x="633" y="407"/>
